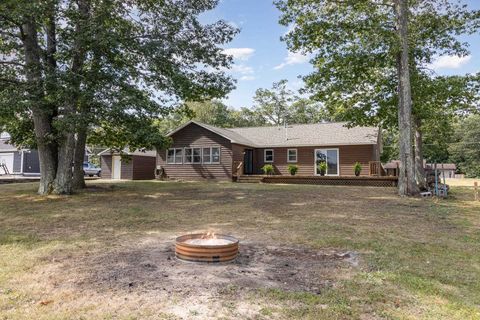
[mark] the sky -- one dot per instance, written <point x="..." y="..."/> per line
<point x="261" y="58"/>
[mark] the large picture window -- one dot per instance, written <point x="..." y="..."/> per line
<point x="331" y="158"/>
<point x="174" y="156"/>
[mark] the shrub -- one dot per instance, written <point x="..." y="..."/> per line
<point x="357" y="168"/>
<point x="268" y="169"/>
<point x="292" y="169"/>
<point x="322" y="167"/>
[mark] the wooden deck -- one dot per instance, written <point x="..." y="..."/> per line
<point x="373" y="181"/>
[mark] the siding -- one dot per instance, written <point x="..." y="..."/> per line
<point x="143" y="168"/>
<point x="196" y="136"/>
<point x="106" y="164"/>
<point x="348" y="155"/>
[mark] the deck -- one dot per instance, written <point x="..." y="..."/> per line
<point x="372" y="181"/>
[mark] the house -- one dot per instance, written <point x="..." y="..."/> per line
<point x="22" y="161"/>
<point x="449" y="169"/>
<point x="137" y="165"/>
<point x="15" y="160"/>
<point x="204" y="151"/>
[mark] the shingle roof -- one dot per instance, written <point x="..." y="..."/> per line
<point x="319" y="134"/>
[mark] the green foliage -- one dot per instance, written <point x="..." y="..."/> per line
<point x="292" y="168"/>
<point x="465" y="151"/>
<point x="119" y="72"/>
<point x="354" y="47"/>
<point x="357" y="168"/>
<point x="279" y="104"/>
<point x="322" y="168"/>
<point x="268" y="169"/>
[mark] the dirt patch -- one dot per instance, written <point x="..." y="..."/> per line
<point x="152" y="265"/>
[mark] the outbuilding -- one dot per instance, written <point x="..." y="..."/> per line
<point x="137" y="165"/>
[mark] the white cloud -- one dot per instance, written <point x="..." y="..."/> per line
<point x="449" y="62"/>
<point x="240" y="53"/>
<point x="247" y="78"/>
<point x="242" y="69"/>
<point x="293" y="58"/>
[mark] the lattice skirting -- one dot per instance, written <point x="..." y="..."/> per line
<point x="344" y="181"/>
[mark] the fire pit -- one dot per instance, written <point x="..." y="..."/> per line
<point x="206" y="247"/>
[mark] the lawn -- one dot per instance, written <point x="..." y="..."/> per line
<point x="307" y="252"/>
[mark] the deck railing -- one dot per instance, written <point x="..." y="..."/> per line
<point x="376" y="169"/>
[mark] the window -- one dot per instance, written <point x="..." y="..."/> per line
<point x="268" y="155"/>
<point x="188" y="155"/>
<point x="171" y="156"/>
<point x="292" y="155"/>
<point x="197" y="155"/>
<point x="216" y="155"/>
<point x="178" y="155"/>
<point x="174" y="156"/>
<point x="207" y="155"/>
<point x="330" y="157"/>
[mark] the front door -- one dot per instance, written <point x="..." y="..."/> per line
<point x="248" y="161"/>
<point x="116" y="167"/>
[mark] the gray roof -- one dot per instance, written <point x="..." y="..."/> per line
<point x="5" y="147"/>
<point x="319" y="134"/>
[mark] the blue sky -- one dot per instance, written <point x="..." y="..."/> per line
<point x="261" y="58"/>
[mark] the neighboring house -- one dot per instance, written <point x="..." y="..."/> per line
<point x="204" y="151"/>
<point x="21" y="161"/>
<point x="17" y="161"/>
<point x="138" y="165"/>
<point x="449" y="169"/>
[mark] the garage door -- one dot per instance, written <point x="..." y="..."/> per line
<point x="7" y="159"/>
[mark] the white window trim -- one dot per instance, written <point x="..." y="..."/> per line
<point x="315" y="161"/>
<point x="185" y="155"/>
<point x="201" y="155"/>
<point x="174" y="156"/>
<point x="288" y="156"/>
<point x="265" y="156"/>
<point x="203" y="149"/>
<point x="219" y="155"/>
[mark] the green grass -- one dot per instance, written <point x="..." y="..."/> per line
<point x="420" y="258"/>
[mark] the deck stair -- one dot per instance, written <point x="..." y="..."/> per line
<point x="250" y="179"/>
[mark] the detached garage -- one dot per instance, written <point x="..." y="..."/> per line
<point x="17" y="161"/>
<point x="138" y="165"/>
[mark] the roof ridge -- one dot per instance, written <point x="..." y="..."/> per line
<point x="292" y="124"/>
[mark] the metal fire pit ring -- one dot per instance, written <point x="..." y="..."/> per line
<point x="206" y="253"/>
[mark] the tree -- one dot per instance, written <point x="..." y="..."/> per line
<point x="281" y="105"/>
<point x="108" y="68"/>
<point x="465" y="150"/>
<point x="363" y="51"/>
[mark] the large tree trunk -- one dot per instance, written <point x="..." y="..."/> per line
<point x="64" y="178"/>
<point x="406" y="181"/>
<point x="419" y="168"/>
<point x="78" y="175"/>
<point x="41" y="114"/>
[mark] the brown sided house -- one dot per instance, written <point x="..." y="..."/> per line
<point x="203" y="151"/>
